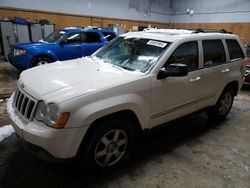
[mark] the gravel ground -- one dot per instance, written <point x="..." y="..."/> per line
<point x="192" y="152"/>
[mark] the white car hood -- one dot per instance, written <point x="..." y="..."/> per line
<point x="61" y="81"/>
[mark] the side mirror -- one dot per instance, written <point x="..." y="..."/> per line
<point x="174" y="70"/>
<point x="63" y="42"/>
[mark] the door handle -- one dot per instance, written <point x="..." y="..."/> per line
<point x="78" y="47"/>
<point x="195" y="79"/>
<point x="225" y="70"/>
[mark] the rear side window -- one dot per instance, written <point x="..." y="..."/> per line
<point x="214" y="53"/>
<point x="109" y="36"/>
<point x="93" y="37"/>
<point x="186" y="53"/>
<point x="234" y="49"/>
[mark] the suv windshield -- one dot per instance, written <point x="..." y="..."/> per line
<point x="55" y="36"/>
<point x="135" y="54"/>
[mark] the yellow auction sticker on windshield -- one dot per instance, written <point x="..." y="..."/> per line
<point x="157" y="43"/>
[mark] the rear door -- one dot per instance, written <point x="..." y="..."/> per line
<point x="92" y="42"/>
<point x="214" y="66"/>
<point x="236" y="60"/>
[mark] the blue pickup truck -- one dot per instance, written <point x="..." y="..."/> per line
<point x="64" y="44"/>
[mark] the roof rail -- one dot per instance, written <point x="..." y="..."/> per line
<point x="199" y="30"/>
<point x="169" y="31"/>
<point x="71" y="27"/>
<point x="96" y="28"/>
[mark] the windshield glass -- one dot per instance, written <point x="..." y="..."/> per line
<point x="55" y="36"/>
<point x="135" y="54"/>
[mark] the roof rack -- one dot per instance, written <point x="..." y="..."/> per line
<point x="199" y="30"/>
<point x="186" y="31"/>
<point x="169" y="31"/>
<point x="95" y="28"/>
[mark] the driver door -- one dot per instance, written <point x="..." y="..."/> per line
<point x="71" y="47"/>
<point x="174" y="97"/>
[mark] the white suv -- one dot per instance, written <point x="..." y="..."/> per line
<point x="94" y="107"/>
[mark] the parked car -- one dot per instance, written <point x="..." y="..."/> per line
<point x="61" y="45"/>
<point x="93" y="108"/>
<point x="247" y="74"/>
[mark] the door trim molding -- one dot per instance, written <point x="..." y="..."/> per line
<point x="156" y="115"/>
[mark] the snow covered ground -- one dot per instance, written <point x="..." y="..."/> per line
<point x="6" y="131"/>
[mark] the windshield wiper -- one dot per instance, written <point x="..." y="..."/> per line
<point x="127" y="68"/>
<point x="106" y="60"/>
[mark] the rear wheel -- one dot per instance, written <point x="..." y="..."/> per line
<point x="108" y="144"/>
<point x="39" y="61"/>
<point x="223" y="105"/>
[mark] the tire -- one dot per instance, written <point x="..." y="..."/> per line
<point x="223" y="105"/>
<point x="108" y="144"/>
<point x="38" y="61"/>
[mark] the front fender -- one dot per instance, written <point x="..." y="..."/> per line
<point x="49" y="53"/>
<point x="87" y="114"/>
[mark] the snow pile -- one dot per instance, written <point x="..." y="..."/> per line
<point x="6" y="131"/>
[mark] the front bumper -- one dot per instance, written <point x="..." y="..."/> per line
<point x="20" y="62"/>
<point x="39" y="152"/>
<point x="54" y="143"/>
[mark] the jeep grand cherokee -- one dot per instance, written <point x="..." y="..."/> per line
<point x="94" y="107"/>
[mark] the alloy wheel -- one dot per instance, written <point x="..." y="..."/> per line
<point x="111" y="148"/>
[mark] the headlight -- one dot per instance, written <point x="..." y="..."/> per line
<point x="18" y="52"/>
<point x="49" y="114"/>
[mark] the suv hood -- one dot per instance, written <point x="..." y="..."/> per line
<point x="61" y="81"/>
<point x="31" y="45"/>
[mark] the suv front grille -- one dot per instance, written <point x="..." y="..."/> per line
<point x="24" y="105"/>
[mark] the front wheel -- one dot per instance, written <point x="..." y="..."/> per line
<point x="223" y="105"/>
<point x="108" y="144"/>
<point x="39" y="61"/>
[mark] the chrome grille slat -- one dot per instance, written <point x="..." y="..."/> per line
<point x="19" y="101"/>
<point x="17" y="97"/>
<point x="24" y="105"/>
<point x="27" y="108"/>
<point x="32" y="112"/>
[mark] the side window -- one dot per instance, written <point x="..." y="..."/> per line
<point x="186" y="53"/>
<point x="92" y="37"/>
<point x="214" y="53"/>
<point x="109" y="36"/>
<point x="73" y="38"/>
<point x="234" y="49"/>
